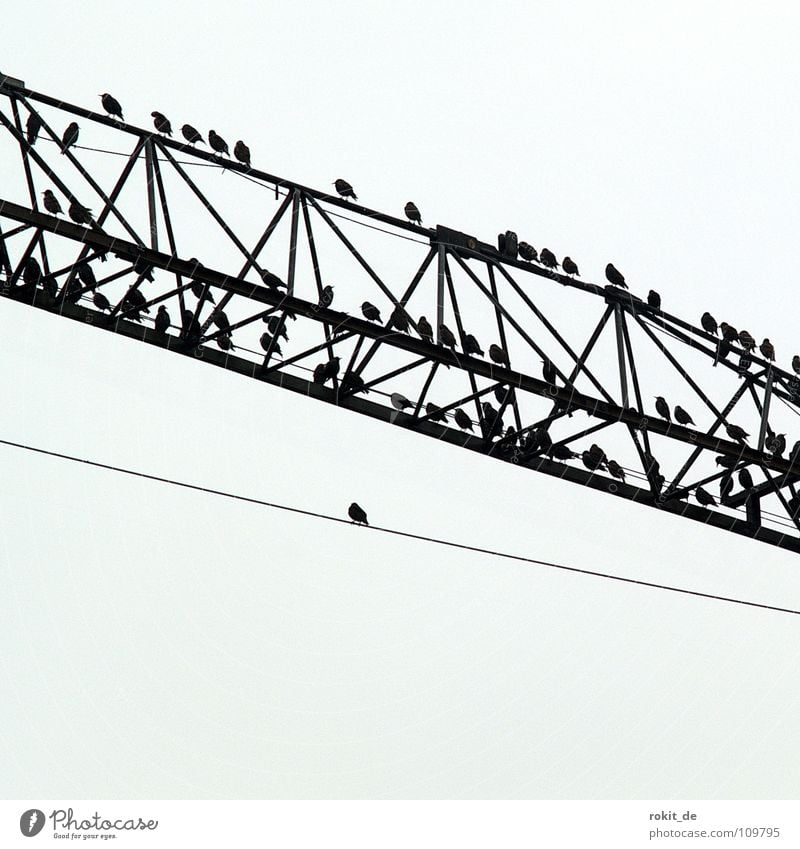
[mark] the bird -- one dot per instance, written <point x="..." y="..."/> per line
<point x="559" y="451"/>
<point x="101" y="302"/>
<point x="370" y="311"/>
<point x="776" y="444"/>
<point x="399" y="319"/>
<point x="332" y="368"/>
<point x="725" y="486"/>
<point x="344" y="189"/>
<point x="471" y="346"/>
<point x="163" y="320"/>
<point x="729" y="332"/>
<point x="434" y="412"/>
<point x="51" y="203"/>
<point x="218" y="143"/>
<point x="615" y="277"/>
<point x="80" y="214"/>
<point x="447" y="337"/>
<point x="591" y="461"/>
<point x="225" y="342"/>
<point x="275" y="327"/>
<point x="548" y="259"/>
<point x="50" y="286"/>
<point x="498" y="355"/>
<point x="400" y="402"/>
<point x="111" y="106"/>
<point x="191" y="134"/>
<point x="570" y="267"/>
<point x="737" y="433"/>
<point x="549" y="372"/>
<point x="412" y="213"/>
<point x="726" y="461"/>
<point x="144" y="269"/>
<point x="796" y="364"/>
<point x="357" y="514"/>
<point x="424" y="329"/>
<point x="767" y="350"/>
<point x="709" y="323"/>
<point x="502" y="393"/>
<point x="596" y="451"/>
<point x="197" y="291"/>
<point x="85" y="274"/>
<point x="615" y="470"/>
<point x="705" y="498"/>
<point x="161" y="123"/>
<point x="654" y="299"/>
<point x="746" y="340"/>
<point x="662" y="408"/>
<point x="682" y="417"/>
<point x="326" y="297"/>
<point x="527" y="252"/>
<point x="31" y="272"/>
<point x="70" y="136"/>
<point x="242" y="152"/>
<point x="272" y="280"/>
<point x="462" y="419"/>
<point x="353" y="383"/>
<point x="266" y="341"/>
<point x="32" y="127"/>
<point x="745" y="479"/>
<point x="221" y="320"/>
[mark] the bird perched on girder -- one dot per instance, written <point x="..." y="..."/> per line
<point x="161" y="123"/>
<point x="101" y="302"/>
<point x="615" y="470"/>
<point x="547" y="258"/>
<point x="682" y="417"/>
<point x="412" y="213"/>
<point x="80" y="214"/>
<point x="242" y="152"/>
<point x="729" y="332"/>
<point x="549" y="372"/>
<point x="704" y="497"/>
<point x="276" y="328"/>
<point x="736" y="433"/>
<point x="747" y="341"/>
<point x="266" y="341"/>
<point x="591" y="461"/>
<point x="370" y="311"/>
<point x="767" y="350"/>
<point x="503" y="393"/>
<point x="614" y="277"/>
<point x="191" y="134"/>
<point x="225" y="342"/>
<point x="31" y="271"/>
<point x="344" y="189"/>
<point x="272" y="280"/>
<point x="662" y="408"/>
<point x="796" y="364"/>
<point x="163" y="320"/>
<point x="434" y="412"/>
<point x="596" y="451"/>
<point x="70" y="136"/>
<point x="709" y="323"/>
<point x="498" y="355"/>
<point x="776" y="444"/>
<point x="218" y="143"/>
<point x="462" y="419"/>
<point x="50" y="286"/>
<point x="111" y="106"/>
<point x="221" y="320"/>
<point x="471" y="346"/>
<point x="357" y="514"/>
<point x="527" y="252"/>
<point x="745" y="479"/>
<point x="559" y="451"/>
<point x="332" y="368"/>
<point x="85" y="274"/>
<point x="51" y="203"/>
<point x="400" y="402"/>
<point x="726" y="461"/>
<point x="197" y="290"/>
<point x="32" y="127"/>
<point x="424" y="329"/>
<point x="447" y="337"/>
<point x="654" y="299"/>
<point x="326" y="297"/>
<point x="399" y="319"/>
<point x="570" y="267"/>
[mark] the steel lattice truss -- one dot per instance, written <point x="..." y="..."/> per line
<point x="241" y="260"/>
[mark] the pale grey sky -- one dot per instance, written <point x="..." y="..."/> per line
<point x="166" y="644"/>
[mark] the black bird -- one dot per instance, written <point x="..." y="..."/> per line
<point x="111" y="106"/>
<point x="747" y="341"/>
<point x="434" y="412"/>
<point x="326" y="297"/>
<point x="462" y="419"/>
<point x="498" y="355"/>
<point x="527" y="252"/>
<point x="221" y="320"/>
<point x="737" y="433"/>
<point x="225" y="342"/>
<point x="143" y="269"/>
<point x="85" y="274"/>
<point x="163" y="320"/>
<point x="767" y="350"/>
<point x="548" y="259"/>
<point x="570" y="267"/>
<point x="425" y="330"/>
<point x="745" y="479"/>
<point x="725" y="487"/>
<point x="726" y="461"/>
<point x="70" y="136"/>
<point x="370" y="311"/>
<point x="274" y="325"/>
<point x="705" y="498"/>
<point x="161" y="123"/>
<point x="447" y="337"/>
<point x="31" y="271"/>
<point x="591" y="461"/>
<point x="242" y="152"/>
<point x="101" y="302"/>
<point x="272" y="280"/>
<point x="354" y="383"/>
<point x="796" y="364"/>
<point x="502" y="392"/>
<point x="615" y="277"/>
<point x="596" y="451"/>
<point x="73" y="295"/>
<point x="332" y="368"/>
<point x="729" y="332"/>
<point x="51" y="203"/>
<point x="50" y="286"/>
<point x="549" y="372"/>
<point x="662" y="408"/>
<point x="682" y="417"/>
<point x="357" y="514"/>
<point x="709" y="323"/>
<point x="218" y="143"/>
<point x="400" y="402"/>
<point x="80" y="214"/>
<point x="265" y="340"/>
<point x="319" y="370"/>
<point x="345" y="189"/>
<point x="412" y="213"/>
<point x="654" y="299"/>
<point x="559" y="451"/>
<point x="615" y="470"/>
<point x="191" y="134"/>
<point x="776" y="444"/>
<point x="471" y="345"/>
<point x="32" y="127"/>
<point x="399" y="319"/>
<point x="197" y="291"/>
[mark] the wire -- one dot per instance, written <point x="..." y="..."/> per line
<point x="432" y="540"/>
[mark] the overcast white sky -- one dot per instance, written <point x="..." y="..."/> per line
<point x="160" y="643"/>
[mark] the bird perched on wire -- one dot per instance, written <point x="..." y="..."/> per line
<point x="704" y="497"/>
<point x="615" y="470"/>
<point x="424" y="329"/>
<point x="51" y="203"/>
<point x="191" y="134"/>
<point x="502" y="393"/>
<point x="570" y="267"/>
<point x="776" y="444"/>
<point x="498" y="355"/>
<point x="747" y="341"/>
<point x="615" y="277"/>
<point x="682" y="417"/>
<point x="527" y="252"/>
<point x="31" y="271"/>
<point x="725" y="487"/>
<point x="662" y="408"/>
<point x="275" y="327"/>
<point x="326" y="297"/>
<point x="357" y="514"/>
<point x="399" y="319"/>
<point x="101" y="302"/>
<point x="434" y="412"/>
<point x="736" y="433"/>
<point x="767" y="350"/>
<point x="85" y="274"/>
<point x="447" y="337"/>
<point x="412" y="213"/>
<point x="471" y="346"/>
<point x="221" y="320"/>
<point x="161" y="123"/>
<point x="547" y="258"/>
<point x="80" y="214"/>
<point x="163" y="320"/>
<point x="654" y="299"/>
<point x="370" y="311"/>
<point x="400" y="402"/>
<point x="70" y="136"/>
<point x="344" y="189"/>
<point x="266" y="341"/>
<point x="559" y="451"/>
<point x="242" y="152"/>
<point x="709" y="323"/>
<point x="462" y="419"/>
<point x="32" y="127"/>
<point x="596" y="451"/>
<point x="745" y="479"/>
<point x="198" y="288"/>
<point x="111" y="106"/>
<point x="218" y="143"/>
<point x="591" y="461"/>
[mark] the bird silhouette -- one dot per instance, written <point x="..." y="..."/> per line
<point x="549" y="371"/>
<point x="776" y="444"/>
<point x="412" y="213"/>
<point x="344" y="189"/>
<point x="51" y="203"/>
<point x="80" y="214"/>
<point x="400" y="402"/>
<point x="796" y="364"/>
<point x="191" y="134"/>
<point x="424" y="329"/>
<point x="111" y="106"/>
<point x="662" y="408"/>
<point x="591" y="461"/>
<point x="747" y="341"/>
<point x="332" y="368"/>
<point x="197" y="291"/>
<point x="498" y="355"/>
<point x="725" y="487"/>
<point x="85" y="274"/>
<point x="471" y="345"/>
<point x="503" y="393"/>
<point x="399" y="319"/>
<point x="570" y="267"/>
<point x="745" y="479"/>
<point x="242" y="152"/>
<point x="163" y="320"/>
<point x="275" y="327"/>
<point x="218" y="143"/>
<point x="729" y="332"/>
<point x="31" y="271"/>
<point x="615" y="277"/>
<point x="221" y="320"/>
<point x="326" y="297"/>
<point x="528" y="252"/>
<point x="70" y="136"/>
<point x="726" y="461"/>
<point x="272" y="280"/>
<point x="353" y="383"/>
<point x="615" y="470"/>
<point x="50" y="286"/>
<point x="559" y="451"/>
<point x="709" y="323"/>
<point x="225" y="342"/>
<point x="767" y="350"/>
<point x="370" y="311"/>
<point x="736" y="433"/>
<point x="434" y="412"/>
<point x="462" y="419"/>
<point x="547" y="258"/>
<point x="161" y="123"/>
<point x="32" y="127"/>
<point x="654" y="299"/>
<point x="101" y="301"/>
<point x="682" y="417"/>
<point x="704" y="497"/>
<point x="357" y="514"/>
<point x="447" y="337"/>
<point x="597" y="452"/>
